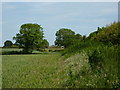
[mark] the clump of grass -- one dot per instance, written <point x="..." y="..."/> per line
<point x="95" y="58"/>
<point x="76" y="66"/>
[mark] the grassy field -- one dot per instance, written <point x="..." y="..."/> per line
<point x="30" y="71"/>
<point x="48" y="70"/>
<point x="52" y="70"/>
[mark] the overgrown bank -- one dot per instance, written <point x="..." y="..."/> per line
<point x="94" y="62"/>
<point x="93" y="67"/>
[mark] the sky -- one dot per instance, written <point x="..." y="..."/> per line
<point x="81" y="17"/>
<point x="60" y="0"/>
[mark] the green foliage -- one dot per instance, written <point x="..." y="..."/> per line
<point x="29" y="37"/>
<point x="95" y="58"/>
<point x="95" y="67"/>
<point x="76" y="65"/>
<point x="66" y="37"/>
<point x="80" y="46"/>
<point x="15" y="46"/>
<point x="108" y="34"/>
<point x="8" y="43"/>
<point x="102" y="51"/>
<point x="45" y="43"/>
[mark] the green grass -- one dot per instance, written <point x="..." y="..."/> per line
<point x="51" y="70"/>
<point x="30" y="71"/>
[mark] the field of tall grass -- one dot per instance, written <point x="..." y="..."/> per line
<point x="30" y="71"/>
<point x="83" y="65"/>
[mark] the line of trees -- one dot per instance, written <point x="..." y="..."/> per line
<point x="31" y="37"/>
<point x="107" y="35"/>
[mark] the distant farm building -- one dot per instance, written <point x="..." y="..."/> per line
<point x="62" y="47"/>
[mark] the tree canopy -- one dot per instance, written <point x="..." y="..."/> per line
<point x="45" y="43"/>
<point x="108" y="34"/>
<point x="66" y="37"/>
<point x="29" y="37"/>
<point x="8" y="43"/>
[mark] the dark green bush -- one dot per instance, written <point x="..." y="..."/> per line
<point x="80" y="46"/>
<point x="95" y="58"/>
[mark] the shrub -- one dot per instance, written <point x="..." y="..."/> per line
<point x="79" y="47"/>
<point x="95" y="58"/>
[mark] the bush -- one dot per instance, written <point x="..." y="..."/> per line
<point x="95" y="58"/>
<point x="79" y="47"/>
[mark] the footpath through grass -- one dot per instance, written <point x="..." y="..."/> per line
<point x="30" y="71"/>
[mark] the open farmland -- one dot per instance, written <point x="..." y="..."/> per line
<point x="51" y="70"/>
<point x="26" y="71"/>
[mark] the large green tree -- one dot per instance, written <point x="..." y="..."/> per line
<point x="29" y="37"/>
<point x="64" y="37"/>
<point x="8" y="43"/>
